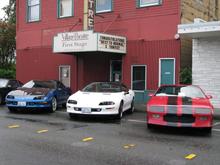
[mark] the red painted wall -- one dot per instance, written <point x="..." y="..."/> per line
<point x="150" y="32"/>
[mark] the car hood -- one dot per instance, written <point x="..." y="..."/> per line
<point x="179" y="101"/>
<point x="30" y="92"/>
<point x="94" y="98"/>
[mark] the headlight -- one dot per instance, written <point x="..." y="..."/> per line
<point x="107" y="103"/>
<point x="39" y="97"/>
<point x="156" y="108"/>
<point x="72" y="102"/>
<point x="203" y="111"/>
<point x="10" y="97"/>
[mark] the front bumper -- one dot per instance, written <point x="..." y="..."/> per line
<point x="180" y="120"/>
<point x="102" y="110"/>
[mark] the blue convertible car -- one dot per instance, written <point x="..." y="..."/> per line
<point x="37" y="94"/>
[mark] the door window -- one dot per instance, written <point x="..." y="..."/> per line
<point x="64" y="75"/>
<point x="139" y="77"/>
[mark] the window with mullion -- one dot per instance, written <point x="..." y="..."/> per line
<point x="33" y="11"/>
<point x="144" y="3"/>
<point x="65" y="8"/>
<point x="103" y="6"/>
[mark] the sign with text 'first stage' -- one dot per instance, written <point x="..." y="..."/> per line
<point x="87" y="41"/>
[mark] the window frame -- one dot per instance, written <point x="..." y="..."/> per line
<point x="148" y="5"/>
<point x="103" y="11"/>
<point x="28" y="13"/>
<point x="58" y="10"/>
<point x="145" y="80"/>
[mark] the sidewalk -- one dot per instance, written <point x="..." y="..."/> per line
<point x="142" y="108"/>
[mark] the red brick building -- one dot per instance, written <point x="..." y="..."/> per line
<point x="152" y="48"/>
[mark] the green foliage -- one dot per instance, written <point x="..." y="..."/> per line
<point x="9" y="72"/>
<point x="186" y="76"/>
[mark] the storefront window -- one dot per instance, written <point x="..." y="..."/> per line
<point x="65" y="8"/>
<point x="144" y="3"/>
<point x="139" y="77"/>
<point x="103" y="6"/>
<point x="33" y="10"/>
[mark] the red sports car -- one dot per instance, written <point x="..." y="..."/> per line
<point x="180" y="106"/>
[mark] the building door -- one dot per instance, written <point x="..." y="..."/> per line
<point x="167" y="71"/>
<point x="64" y="75"/>
<point x="115" y="73"/>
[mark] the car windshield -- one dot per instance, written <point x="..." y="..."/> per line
<point x="3" y="83"/>
<point x="39" y="84"/>
<point x="103" y="87"/>
<point x="182" y="91"/>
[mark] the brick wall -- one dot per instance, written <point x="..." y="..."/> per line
<point x="205" y="9"/>
<point x="205" y="67"/>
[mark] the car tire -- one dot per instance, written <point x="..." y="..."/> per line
<point x="12" y="109"/>
<point x="120" y="111"/>
<point x="1" y="99"/>
<point x="131" y="110"/>
<point x="149" y="126"/>
<point x="208" y="131"/>
<point x="72" y="116"/>
<point x="53" y="107"/>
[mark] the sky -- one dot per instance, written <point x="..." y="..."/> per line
<point x="3" y="3"/>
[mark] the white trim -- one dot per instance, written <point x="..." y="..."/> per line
<point x="174" y="69"/>
<point x="69" y="67"/>
<point x="145" y="85"/>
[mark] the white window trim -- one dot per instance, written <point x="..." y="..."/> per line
<point x="28" y="13"/>
<point x="149" y="4"/>
<point x="103" y="11"/>
<point x="145" y="84"/>
<point x="69" y="67"/>
<point x="174" y="69"/>
<point x="72" y="9"/>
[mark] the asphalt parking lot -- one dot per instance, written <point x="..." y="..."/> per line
<point x="45" y="138"/>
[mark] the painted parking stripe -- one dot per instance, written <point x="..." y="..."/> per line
<point x="13" y="126"/>
<point x="190" y="156"/>
<point x="42" y="131"/>
<point x="217" y="123"/>
<point x="87" y="139"/>
<point x="137" y="121"/>
<point x="217" y="130"/>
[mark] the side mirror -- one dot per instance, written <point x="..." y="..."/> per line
<point x="151" y="94"/>
<point x="126" y="92"/>
<point x="209" y="96"/>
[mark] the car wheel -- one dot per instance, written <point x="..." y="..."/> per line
<point x="120" y="111"/>
<point x="53" y="107"/>
<point x="208" y="131"/>
<point x="131" y="110"/>
<point x="72" y="115"/>
<point x="12" y="110"/>
<point x="1" y="101"/>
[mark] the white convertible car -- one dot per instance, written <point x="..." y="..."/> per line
<point x="101" y="98"/>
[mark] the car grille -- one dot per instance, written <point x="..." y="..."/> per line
<point x="179" y="119"/>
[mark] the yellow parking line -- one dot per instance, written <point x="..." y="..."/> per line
<point x="13" y="126"/>
<point x="190" y="156"/>
<point x="42" y="131"/>
<point x="127" y="146"/>
<point x="87" y="139"/>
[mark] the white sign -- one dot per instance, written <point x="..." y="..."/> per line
<point x="111" y="43"/>
<point x="82" y="41"/>
<point x="87" y="41"/>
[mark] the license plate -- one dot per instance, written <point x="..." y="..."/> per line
<point x="86" y="110"/>
<point x="21" y="103"/>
